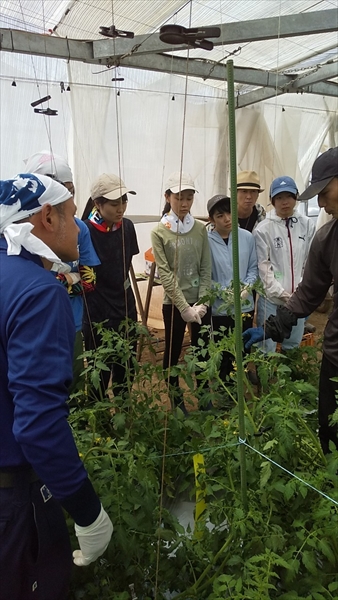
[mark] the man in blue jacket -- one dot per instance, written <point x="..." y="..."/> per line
<point x="40" y="469"/>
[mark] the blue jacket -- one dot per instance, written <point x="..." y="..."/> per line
<point x="222" y="266"/>
<point x="36" y="352"/>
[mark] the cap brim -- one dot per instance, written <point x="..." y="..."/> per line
<point x="285" y="189"/>
<point x="116" y="194"/>
<point x="314" y="189"/>
<point x="176" y="188"/>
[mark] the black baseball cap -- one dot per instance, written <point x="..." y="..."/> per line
<point x="324" y="169"/>
<point x="215" y="200"/>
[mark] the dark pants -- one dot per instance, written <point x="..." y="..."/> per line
<point x="35" y="552"/>
<point x="174" y="328"/>
<point x="327" y="404"/>
<point x="122" y="371"/>
<point x="229" y="324"/>
<point x="78" y="365"/>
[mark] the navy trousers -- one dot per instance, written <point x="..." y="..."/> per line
<point x="35" y="552"/>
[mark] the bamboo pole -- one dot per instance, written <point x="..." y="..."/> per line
<point x="236" y="279"/>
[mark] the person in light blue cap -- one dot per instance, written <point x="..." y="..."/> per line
<point x="283" y="241"/>
<point x="320" y="271"/>
<point x="40" y="468"/>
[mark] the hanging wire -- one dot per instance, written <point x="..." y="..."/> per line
<point x="46" y="118"/>
<point x="277" y="71"/>
<point x="172" y="319"/>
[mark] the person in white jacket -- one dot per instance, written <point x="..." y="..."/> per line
<point x="283" y="241"/>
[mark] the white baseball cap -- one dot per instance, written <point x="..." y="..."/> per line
<point x="178" y="182"/>
<point x="110" y="187"/>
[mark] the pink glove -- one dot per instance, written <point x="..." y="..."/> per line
<point x="190" y="315"/>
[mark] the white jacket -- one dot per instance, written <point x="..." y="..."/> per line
<point x="282" y="248"/>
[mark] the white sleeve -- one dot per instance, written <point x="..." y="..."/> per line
<point x="272" y="287"/>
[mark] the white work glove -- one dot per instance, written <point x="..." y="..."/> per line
<point x="245" y="295"/>
<point x="201" y="309"/>
<point x="93" y="539"/>
<point x="190" y="315"/>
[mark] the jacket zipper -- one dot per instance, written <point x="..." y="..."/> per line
<point x="291" y="253"/>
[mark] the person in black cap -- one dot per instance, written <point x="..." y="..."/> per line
<point x="320" y="270"/>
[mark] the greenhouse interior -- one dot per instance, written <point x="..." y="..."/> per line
<point x="169" y="299"/>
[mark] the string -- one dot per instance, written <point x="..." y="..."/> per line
<point x="46" y="118"/>
<point x="244" y="442"/>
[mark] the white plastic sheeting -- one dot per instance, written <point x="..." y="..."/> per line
<point x="140" y="133"/>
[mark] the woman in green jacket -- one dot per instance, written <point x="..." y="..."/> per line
<point x="181" y="250"/>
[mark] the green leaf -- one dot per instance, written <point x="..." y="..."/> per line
<point x="265" y="473"/>
<point x="309" y="562"/>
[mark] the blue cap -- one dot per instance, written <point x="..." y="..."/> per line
<point x="283" y="184"/>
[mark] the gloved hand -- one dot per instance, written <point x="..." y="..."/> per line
<point x="245" y="295"/>
<point x="93" y="539"/>
<point x="252" y="336"/>
<point x="190" y="315"/>
<point x="201" y="309"/>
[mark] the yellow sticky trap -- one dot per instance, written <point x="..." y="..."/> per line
<point x="199" y="467"/>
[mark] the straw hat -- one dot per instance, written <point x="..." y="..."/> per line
<point x="248" y="180"/>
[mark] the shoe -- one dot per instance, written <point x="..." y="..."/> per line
<point x="309" y="328"/>
<point x="253" y="377"/>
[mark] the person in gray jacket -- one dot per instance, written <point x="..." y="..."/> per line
<point x="320" y="270"/>
<point x="220" y="242"/>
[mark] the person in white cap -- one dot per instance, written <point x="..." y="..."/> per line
<point x="320" y="270"/>
<point x="40" y="468"/>
<point x="250" y="212"/>
<point x="114" y="239"/>
<point x="283" y="241"/>
<point x="77" y="276"/>
<point x="181" y="249"/>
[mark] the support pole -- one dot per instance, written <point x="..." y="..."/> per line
<point x="236" y="279"/>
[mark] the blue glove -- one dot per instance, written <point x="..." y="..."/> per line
<point x="252" y="336"/>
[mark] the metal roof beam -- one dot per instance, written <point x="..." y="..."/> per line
<point x="205" y="70"/>
<point x="322" y="89"/>
<point x="23" y="42"/>
<point x="322" y="21"/>
<point x="256" y="96"/>
<point x="324" y="72"/>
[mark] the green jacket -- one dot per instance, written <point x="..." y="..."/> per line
<point x="184" y="263"/>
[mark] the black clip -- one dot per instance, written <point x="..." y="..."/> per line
<point x="195" y="37"/>
<point x="40" y="101"/>
<point x="118" y="79"/>
<point x="113" y="32"/>
<point x="50" y="112"/>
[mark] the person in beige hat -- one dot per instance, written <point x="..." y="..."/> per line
<point x="248" y="189"/>
<point x="114" y="239"/>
